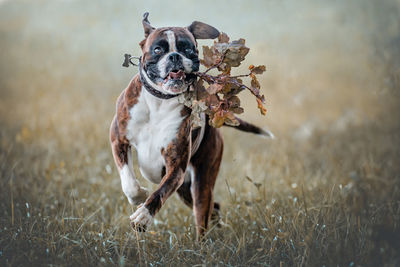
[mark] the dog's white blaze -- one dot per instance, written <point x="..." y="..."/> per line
<point x="142" y="216"/>
<point x="153" y="125"/>
<point x="162" y="64"/>
<point x="171" y="41"/>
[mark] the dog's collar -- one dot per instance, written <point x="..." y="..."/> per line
<point x="151" y="90"/>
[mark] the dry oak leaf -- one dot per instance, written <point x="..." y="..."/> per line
<point x="263" y="110"/>
<point x="257" y="70"/>
<point x="214" y="88"/>
<point x="209" y="58"/>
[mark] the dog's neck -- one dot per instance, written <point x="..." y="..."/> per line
<point x="151" y="86"/>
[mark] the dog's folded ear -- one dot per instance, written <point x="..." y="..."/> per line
<point x="201" y="30"/>
<point x="146" y="25"/>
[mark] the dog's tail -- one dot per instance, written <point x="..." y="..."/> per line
<point x="250" y="128"/>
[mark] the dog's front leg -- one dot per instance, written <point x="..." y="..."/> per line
<point x="123" y="160"/>
<point x="176" y="155"/>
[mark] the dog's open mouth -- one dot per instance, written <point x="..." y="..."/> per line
<point x="175" y="75"/>
<point x="177" y="80"/>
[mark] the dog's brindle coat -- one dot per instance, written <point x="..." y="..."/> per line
<point x="170" y="152"/>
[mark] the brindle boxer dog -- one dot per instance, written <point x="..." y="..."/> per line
<point x="149" y="117"/>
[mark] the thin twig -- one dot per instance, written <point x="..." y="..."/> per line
<point x="214" y="79"/>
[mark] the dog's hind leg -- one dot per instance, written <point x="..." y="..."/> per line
<point x="185" y="194"/>
<point x="184" y="190"/>
<point x="205" y="162"/>
<point x="123" y="159"/>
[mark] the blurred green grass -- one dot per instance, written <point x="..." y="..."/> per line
<point x="329" y="191"/>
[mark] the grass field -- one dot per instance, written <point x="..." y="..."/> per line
<point x="325" y="192"/>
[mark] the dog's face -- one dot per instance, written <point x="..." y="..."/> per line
<point x="169" y="58"/>
<point x="170" y="55"/>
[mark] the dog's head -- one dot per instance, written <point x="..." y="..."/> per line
<point x="170" y="55"/>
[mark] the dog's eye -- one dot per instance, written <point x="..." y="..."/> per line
<point x="158" y="50"/>
<point x="189" y="50"/>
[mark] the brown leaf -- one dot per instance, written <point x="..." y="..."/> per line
<point x="236" y="86"/>
<point x="263" y="110"/>
<point x="254" y="82"/>
<point x="235" y="53"/>
<point x="223" y="55"/>
<point x="209" y="59"/>
<point x="257" y="70"/>
<point x="234" y="101"/>
<point x="214" y="88"/>
<point x="218" y="119"/>
<point x="238" y="110"/>
<point x="186" y="99"/>
<point x="227" y="88"/>
<point x="230" y="119"/>
<point x="198" y="107"/>
<point x="200" y="90"/>
<point x="223" y="38"/>
<point x="212" y="100"/>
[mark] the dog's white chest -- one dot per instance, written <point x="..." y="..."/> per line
<point x="153" y="125"/>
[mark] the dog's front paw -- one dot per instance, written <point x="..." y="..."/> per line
<point x="139" y="197"/>
<point x="141" y="219"/>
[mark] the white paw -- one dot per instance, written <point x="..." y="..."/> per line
<point x="138" y="197"/>
<point x="141" y="218"/>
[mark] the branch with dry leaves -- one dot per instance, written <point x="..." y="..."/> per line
<point x="216" y="95"/>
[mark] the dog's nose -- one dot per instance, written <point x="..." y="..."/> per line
<point x="174" y="57"/>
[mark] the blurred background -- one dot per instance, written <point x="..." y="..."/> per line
<point x="326" y="62"/>
<point x="333" y="100"/>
